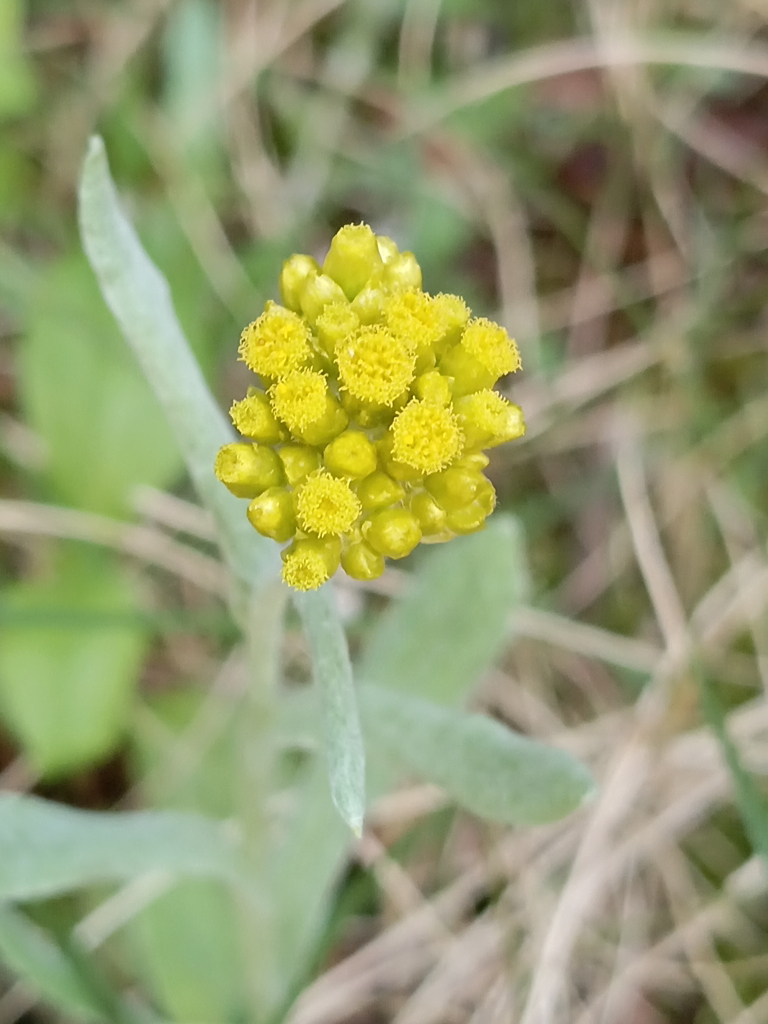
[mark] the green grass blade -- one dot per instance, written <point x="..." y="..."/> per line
<point x="751" y="804"/>
<point x="26" y="950"/>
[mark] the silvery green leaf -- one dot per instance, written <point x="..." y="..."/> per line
<point x="140" y="300"/>
<point x="47" y="848"/>
<point x="332" y="675"/>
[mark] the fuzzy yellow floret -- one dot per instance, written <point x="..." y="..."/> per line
<point x="276" y="343"/>
<point x="375" y="366"/>
<point x="491" y="346"/>
<point x="299" y="398"/>
<point x="413" y="316"/>
<point x="305" y="569"/>
<point x="326" y="505"/>
<point x="426" y="436"/>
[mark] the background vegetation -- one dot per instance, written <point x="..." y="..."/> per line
<point x="592" y="174"/>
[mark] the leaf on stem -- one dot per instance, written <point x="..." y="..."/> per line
<point x="332" y="674"/>
<point x="47" y="848"/>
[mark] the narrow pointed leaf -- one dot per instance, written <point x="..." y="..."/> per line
<point x="140" y="300"/>
<point x="27" y="951"/>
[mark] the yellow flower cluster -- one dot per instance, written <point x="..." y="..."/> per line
<point x="366" y="436"/>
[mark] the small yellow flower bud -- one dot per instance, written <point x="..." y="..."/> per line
<point x="253" y="418"/>
<point x="299" y="398"/>
<point x="487" y="419"/>
<point x="276" y="343"/>
<point x="426" y="437"/>
<point x="309" y="562"/>
<point x="324" y="429"/>
<point x="390" y="465"/>
<point x="469" y="519"/>
<point x="326" y="504"/>
<point x="453" y="315"/>
<point x="366" y="414"/>
<point x="466" y="373"/>
<point x="514" y="427"/>
<point x="402" y="271"/>
<point x="412" y="315"/>
<point x="298" y="462"/>
<point x="335" y="324"/>
<point x="485" y="353"/>
<point x="296" y="270"/>
<point x="319" y="291"/>
<point x="352" y="258"/>
<point x="361" y="562"/>
<point x="248" y="469"/>
<point x="387" y="248"/>
<point x="473" y="460"/>
<point x="393" y="532"/>
<point x="350" y="454"/>
<point x="375" y="366"/>
<point x="486" y="496"/>
<point x="272" y="514"/>
<point x="378" y="491"/>
<point x="492" y="346"/>
<point x="432" y="387"/>
<point x="430" y="515"/>
<point x="454" y="487"/>
<point x="368" y="304"/>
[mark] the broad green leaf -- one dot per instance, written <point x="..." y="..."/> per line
<point x="47" y="848"/>
<point x="187" y="949"/>
<point x="140" y="301"/>
<point x="186" y="941"/>
<point x="453" y="617"/>
<point x="26" y="950"/>
<point x="103" y="429"/>
<point x="487" y="768"/>
<point x="332" y="675"/>
<point x="68" y="673"/>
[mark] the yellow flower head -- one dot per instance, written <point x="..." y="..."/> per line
<point x="326" y="505"/>
<point x="426" y="436"/>
<point x="491" y="346"/>
<point x="276" y="343"/>
<point x="375" y="366"/>
<point x="299" y="398"/>
<point x="366" y="435"/>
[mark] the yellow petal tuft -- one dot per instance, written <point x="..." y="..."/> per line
<point x="326" y="505"/>
<point x="375" y="366"/>
<point x="426" y="436"/>
<point x="309" y="562"/>
<point x="299" y="398"/>
<point x="276" y="343"/>
<point x="491" y="346"/>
